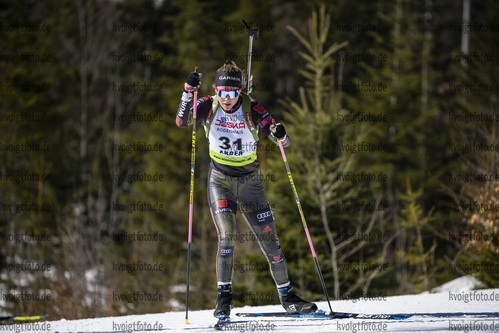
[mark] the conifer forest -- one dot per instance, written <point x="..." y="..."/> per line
<point x="392" y="107"/>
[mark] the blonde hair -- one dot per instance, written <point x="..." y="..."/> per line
<point x="229" y="66"/>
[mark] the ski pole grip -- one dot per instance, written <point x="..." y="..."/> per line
<point x="196" y="69"/>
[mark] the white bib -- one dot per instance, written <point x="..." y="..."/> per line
<point x="230" y="139"/>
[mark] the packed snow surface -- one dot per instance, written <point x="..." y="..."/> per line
<point x="453" y="307"/>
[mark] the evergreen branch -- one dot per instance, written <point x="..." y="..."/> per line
<point x="302" y="40"/>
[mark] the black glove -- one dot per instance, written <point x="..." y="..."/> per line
<point x="192" y="82"/>
<point x="278" y="131"/>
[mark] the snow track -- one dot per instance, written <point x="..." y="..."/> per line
<point x="453" y="309"/>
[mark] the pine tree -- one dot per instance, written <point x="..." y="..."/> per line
<point x="326" y="171"/>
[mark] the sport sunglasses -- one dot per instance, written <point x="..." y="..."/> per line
<point x="224" y="93"/>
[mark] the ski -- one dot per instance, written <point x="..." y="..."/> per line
<point x="22" y="318"/>
<point x="222" y="321"/>
<point x="323" y="315"/>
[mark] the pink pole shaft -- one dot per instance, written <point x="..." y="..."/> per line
<point x="282" y="152"/>
<point x="190" y="222"/>
<point x="310" y="243"/>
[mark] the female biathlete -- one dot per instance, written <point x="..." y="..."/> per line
<point x="231" y="121"/>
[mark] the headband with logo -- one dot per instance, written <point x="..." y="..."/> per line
<point x="231" y="79"/>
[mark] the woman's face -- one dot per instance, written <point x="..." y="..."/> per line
<point x="228" y="103"/>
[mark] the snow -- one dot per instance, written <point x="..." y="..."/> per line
<point x="456" y="306"/>
<point x="464" y="283"/>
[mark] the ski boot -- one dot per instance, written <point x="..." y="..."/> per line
<point x="224" y="301"/>
<point x="294" y="304"/>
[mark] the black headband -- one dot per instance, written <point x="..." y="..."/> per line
<point x="231" y="79"/>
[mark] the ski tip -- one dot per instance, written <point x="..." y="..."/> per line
<point x="402" y="316"/>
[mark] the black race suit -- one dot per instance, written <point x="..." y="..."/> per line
<point x="230" y="187"/>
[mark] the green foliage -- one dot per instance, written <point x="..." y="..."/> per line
<point x="415" y="224"/>
<point x="64" y="67"/>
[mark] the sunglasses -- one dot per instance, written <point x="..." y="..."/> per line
<point x="231" y="93"/>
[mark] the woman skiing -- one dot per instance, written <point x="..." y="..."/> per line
<point x="231" y="121"/>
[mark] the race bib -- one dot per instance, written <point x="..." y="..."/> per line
<point x="231" y="141"/>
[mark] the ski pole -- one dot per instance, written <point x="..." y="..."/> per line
<point x="191" y="200"/>
<point x="304" y="224"/>
<point x="252" y="33"/>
